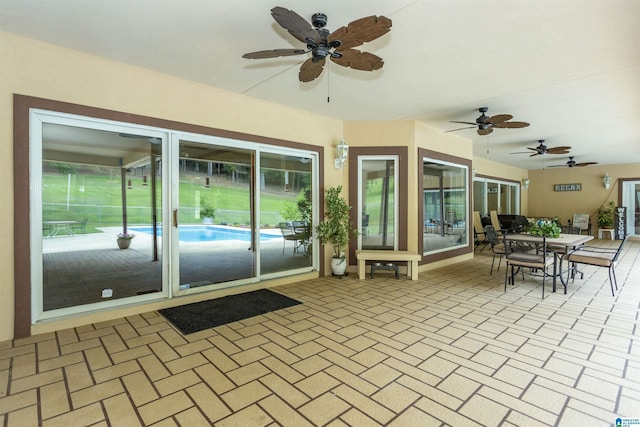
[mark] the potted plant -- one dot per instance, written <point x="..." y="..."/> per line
<point x="124" y="240"/>
<point x="336" y="228"/>
<point x="605" y="215"/>
<point x="544" y="227"/>
<point x="207" y="211"/>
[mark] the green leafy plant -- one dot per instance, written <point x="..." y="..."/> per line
<point x="544" y="227"/>
<point x="207" y="210"/>
<point x="337" y="227"/>
<point x="606" y="215"/>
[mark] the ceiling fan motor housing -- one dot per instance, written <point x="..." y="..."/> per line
<point x="319" y="20"/>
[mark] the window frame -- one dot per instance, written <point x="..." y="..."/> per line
<point x="439" y="255"/>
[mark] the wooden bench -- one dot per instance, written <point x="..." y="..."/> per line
<point x="411" y="257"/>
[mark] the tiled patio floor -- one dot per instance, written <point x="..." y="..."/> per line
<point x="449" y="349"/>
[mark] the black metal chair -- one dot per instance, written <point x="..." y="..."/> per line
<point x="597" y="257"/>
<point x="538" y="259"/>
<point x="497" y="247"/>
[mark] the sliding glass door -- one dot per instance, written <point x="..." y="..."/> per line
<point x="213" y="216"/>
<point x="94" y="187"/>
<point x="122" y="214"/>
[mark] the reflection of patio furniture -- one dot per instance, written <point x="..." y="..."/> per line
<point x="53" y="228"/>
<point x="365" y="225"/>
<point x="296" y="232"/>
<point x="80" y="227"/>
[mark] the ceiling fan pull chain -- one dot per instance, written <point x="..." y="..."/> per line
<point x="328" y="85"/>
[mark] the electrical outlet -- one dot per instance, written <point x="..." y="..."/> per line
<point x="107" y="293"/>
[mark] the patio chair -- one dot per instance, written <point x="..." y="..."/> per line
<point x="288" y="235"/>
<point x="80" y="227"/>
<point x="479" y="233"/>
<point x="597" y="257"/>
<point x="497" y="247"/>
<point x="583" y="222"/>
<point x="296" y="232"/>
<point x="539" y="259"/>
<point x="495" y="222"/>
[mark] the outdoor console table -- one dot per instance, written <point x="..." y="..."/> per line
<point x="411" y="257"/>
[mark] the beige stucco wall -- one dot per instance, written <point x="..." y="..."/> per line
<point x="544" y="202"/>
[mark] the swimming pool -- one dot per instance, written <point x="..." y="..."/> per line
<point x="209" y="233"/>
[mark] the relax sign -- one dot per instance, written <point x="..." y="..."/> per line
<point x="567" y="187"/>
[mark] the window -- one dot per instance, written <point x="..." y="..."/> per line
<point x="444" y="213"/>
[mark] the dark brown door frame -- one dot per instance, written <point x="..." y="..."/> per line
<point x="22" y="106"/>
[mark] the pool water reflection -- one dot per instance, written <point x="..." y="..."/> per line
<point x="209" y="233"/>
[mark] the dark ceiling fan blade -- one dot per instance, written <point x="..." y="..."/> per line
<point x="357" y="60"/>
<point x="586" y="164"/>
<point x="310" y="70"/>
<point x="297" y="26"/>
<point x="274" y="53"/>
<point x="511" y="125"/>
<point x="464" y="123"/>
<point x="454" y="130"/>
<point x="499" y="118"/>
<point x="486" y="131"/>
<point x="360" y="31"/>
<point x="559" y="150"/>
<point x="559" y="166"/>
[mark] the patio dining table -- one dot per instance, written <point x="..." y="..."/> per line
<point x="561" y="246"/>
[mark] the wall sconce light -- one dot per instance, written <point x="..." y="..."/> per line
<point x="606" y="180"/>
<point x="342" y="150"/>
<point x="525" y="183"/>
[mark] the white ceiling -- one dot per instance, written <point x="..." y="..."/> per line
<point x="570" y="68"/>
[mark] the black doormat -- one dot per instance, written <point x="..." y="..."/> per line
<point x="203" y="315"/>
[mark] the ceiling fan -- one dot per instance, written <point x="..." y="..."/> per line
<point x="572" y="164"/>
<point x="485" y="124"/>
<point x="338" y="46"/>
<point x="543" y="149"/>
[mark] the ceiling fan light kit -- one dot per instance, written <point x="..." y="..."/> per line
<point x="338" y="46"/>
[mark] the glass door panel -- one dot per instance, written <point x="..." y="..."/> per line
<point x="215" y="220"/>
<point x="97" y="185"/>
<point x="285" y="212"/>
<point x="378" y="203"/>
